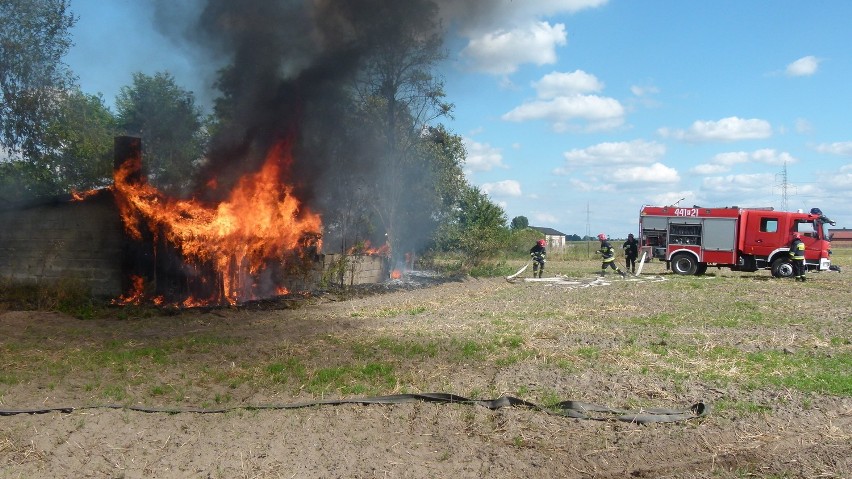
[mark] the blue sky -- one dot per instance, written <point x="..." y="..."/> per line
<point x="575" y="113"/>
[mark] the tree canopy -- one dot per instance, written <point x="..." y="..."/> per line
<point x="34" y="36"/>
<point x="520" y="222"/>
<point x="399" y="94"/>
<point x="171" y="124"/>
<point x="81" y="139"/>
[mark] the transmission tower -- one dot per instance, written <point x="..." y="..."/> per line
<point x="784" y="187"/>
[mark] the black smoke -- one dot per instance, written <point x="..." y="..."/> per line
<point x="285" y="70"/>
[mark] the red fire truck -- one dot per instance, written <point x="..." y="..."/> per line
<point x="742" y="239"/>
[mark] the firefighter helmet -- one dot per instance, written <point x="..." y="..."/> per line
<point x="540" y="242"/>
<point x="602" y="237"/>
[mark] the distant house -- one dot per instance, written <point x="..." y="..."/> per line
<point x="554" y="239"/>
<point x="840" y="237"/>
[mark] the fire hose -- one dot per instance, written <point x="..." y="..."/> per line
<point x="571" y="409"/>
<point x="511" y="277"/>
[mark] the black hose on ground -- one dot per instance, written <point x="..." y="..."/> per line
<point x="572" y="409"/>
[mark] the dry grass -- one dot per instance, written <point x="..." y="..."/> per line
<point x="772" y="359"/>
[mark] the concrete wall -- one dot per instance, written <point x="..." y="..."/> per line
<point x="84" y="240"/>
<point x="63" y="239"/>
<point x="356" y="269"/>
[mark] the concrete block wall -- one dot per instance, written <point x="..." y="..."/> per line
<point x="357" y="269"/>
<point x="63" y="239"/>
<point x="85" y="241"/>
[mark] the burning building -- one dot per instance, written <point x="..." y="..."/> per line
<point x="133" y="241"/>
<point x="320" y="108"/>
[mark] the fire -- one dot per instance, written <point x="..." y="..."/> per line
<point x="366" y="248"/>
<point x="396" y="274"/>
<point x="136" y="293"/>
<point x="257" y="226"/>
<point x="82" y="195"/>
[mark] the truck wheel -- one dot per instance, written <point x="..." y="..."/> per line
<point x="684" y="264"/>
<point x="702" y="268"/>
<point x="782" y="268"/>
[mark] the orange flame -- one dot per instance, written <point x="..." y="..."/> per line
<point x="136" y="293"/>
<point x="366" y="248"/>
<point x="82" y="195"/>
<point x="256" y="226"/>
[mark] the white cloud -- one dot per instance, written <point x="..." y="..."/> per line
<point x="558" y="84"/>
<point x="726" y="129"/>
<point x="540" y="218"/>
<point x="803" y="126"/>
<point x="599" y="113"/>
<point x="840" y="181"/>
<point x="642" y="91"/>
<point x="723" y="162"/>
<point x="841" y="148"/>
<point x="502" y="188"/>
<point x="670" y="198"/>
<point x="805" y="66"/>
<point x="501" y="52"/>
<point x="592" y="185"/>
<point x="710" y="169"/>
<point x="730" y="158"/>
<point x="481" y="157"/>
<point x="636" y="152"/>
<point x="656" y="173"/>
<point x="768" y="156"/>
<point x="739" y="185"/>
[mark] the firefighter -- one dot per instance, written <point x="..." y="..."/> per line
<point x="797" y="254"/>
<point x="538" y="253"/>
<point x="631" y="252"/>
<point x="607" y="252"/>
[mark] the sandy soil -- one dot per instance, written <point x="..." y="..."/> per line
<point x="417" y="440"/>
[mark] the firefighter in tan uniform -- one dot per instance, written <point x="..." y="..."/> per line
<point x="797" y="254"/>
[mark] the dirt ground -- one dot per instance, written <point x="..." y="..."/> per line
<point x="796" y="437"/>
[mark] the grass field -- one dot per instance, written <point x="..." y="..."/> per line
<point x="753" y="348"/>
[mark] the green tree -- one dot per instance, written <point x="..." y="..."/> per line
<point x="21" y="180"/>
<point x="34" y="36"/>
<point x="77" y="148"/>
<point x="478" y="230"/>
<point x="171" y="126"/>
<point x="520" y="222"/>
<point x="447" y="155"/>
<point x="399" y="95"/>
<point x="81" y="136"/>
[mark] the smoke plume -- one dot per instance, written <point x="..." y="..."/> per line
<point x="286" y="69"/>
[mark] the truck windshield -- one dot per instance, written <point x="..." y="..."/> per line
<point x="815" y="229"/>
<point x="825" y="234"/>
